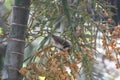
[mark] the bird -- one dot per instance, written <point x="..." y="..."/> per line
<point x="60" y="42"/>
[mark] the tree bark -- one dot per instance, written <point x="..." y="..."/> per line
<point x="16" y="40"/>
<point x="115" y="11"/>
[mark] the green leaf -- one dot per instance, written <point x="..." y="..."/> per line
<point x="43" y="42"/>
<point x="1" y="30"/>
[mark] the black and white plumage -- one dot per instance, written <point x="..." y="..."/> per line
<point x="60" y="42"/>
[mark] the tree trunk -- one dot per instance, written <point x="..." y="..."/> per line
<point x="16" y="40"/>
<point x="115" y="11"/>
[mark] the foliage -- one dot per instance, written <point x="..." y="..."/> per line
<point x="8" y="4"/>
<point x="77" y="23"/>
<point x="1" y="31"/>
